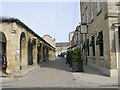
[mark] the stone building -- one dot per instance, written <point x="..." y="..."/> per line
<point x="22" y="46"/>
<point x="103" y="38"/>
<point x="76" y="39"/>
<point x="51" y="41"/>
<point x="70" y="38"/>
<point x="61" y="48"/>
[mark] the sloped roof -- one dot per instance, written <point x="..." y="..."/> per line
<point x="10" y="20"/>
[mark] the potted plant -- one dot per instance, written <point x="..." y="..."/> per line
<point x="77" y="62"/>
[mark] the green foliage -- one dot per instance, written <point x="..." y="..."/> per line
<point x="76" y="54"/>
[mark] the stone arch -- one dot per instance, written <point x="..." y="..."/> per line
<point x="23" y="51"/>
<point x="32" y="51"/>
<point x="3" y="51"/>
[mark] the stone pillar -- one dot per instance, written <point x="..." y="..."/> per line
<point x="13" y="59"/>
<point x="44" y="53"/>
<point x="34" y="54"/>
<point x="41" y="51"/>
<point x="117" y="45"/>
<point x="47" y="53"/>
<point x="112" y="63"/>
<point x="23" y="45"/>
<point x="50" y="54"/>
<point x="54" y="54"/>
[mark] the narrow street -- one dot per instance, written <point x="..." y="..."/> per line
<point x="34" y="45"/>
<point x="56" y="74"/>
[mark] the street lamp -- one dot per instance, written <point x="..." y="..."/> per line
<point x="84" y="30"/>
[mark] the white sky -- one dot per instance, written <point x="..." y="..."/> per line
<point x="54" y="18"/>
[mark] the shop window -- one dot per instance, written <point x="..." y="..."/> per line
<point x="92" y="43"/>
<point x="101" y="50"/>
<point x="88" y="49"/>
<point x="99" y="41"/>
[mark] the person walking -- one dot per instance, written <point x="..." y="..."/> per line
<point x="4" y="61"/>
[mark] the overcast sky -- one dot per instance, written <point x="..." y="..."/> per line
<point x="54" y="18"/>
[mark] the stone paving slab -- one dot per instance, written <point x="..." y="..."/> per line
<point x="56" y="74"/>
<point x="10" y="79"/>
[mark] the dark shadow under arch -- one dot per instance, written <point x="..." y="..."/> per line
<point x="30" y="50"/>
<point x="3" y="52"/>
<point x="22" y="48"/>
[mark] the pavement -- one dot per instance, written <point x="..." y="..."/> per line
<point x="56" y="74"/>
<point x="12" y="78"/>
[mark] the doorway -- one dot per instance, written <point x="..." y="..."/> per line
<point x="3" y="52"/>
<point x="30" y="50"/>
<point x="22" y="49"/>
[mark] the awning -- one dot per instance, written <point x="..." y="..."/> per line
<point x="99" y="40"/>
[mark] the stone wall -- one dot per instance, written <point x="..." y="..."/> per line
<point x="22" y="46"/>
<point x="101" y="21"/>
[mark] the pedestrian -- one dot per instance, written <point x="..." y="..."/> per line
<point x="4" y="61"/>
<point x="67" y="59"/>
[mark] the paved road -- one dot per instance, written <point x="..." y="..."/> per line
<point x="56" y="74"/>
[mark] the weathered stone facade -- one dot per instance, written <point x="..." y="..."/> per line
<point x="22" y="46"/>
<point x="51" y="41"/>
<point x="61" y="48"/>
<point x="103" y="40"/>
